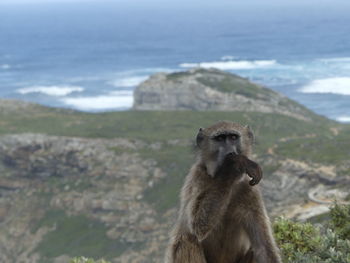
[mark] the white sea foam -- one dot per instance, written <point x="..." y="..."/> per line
<point x="5" y="66"/>
<point x="122" y="93"/>
<point x="228" y="65"/>
<point x="113" y="100"/>
<point x="340" y="85"/>
<point x="126" y="82"/>
<point x="343" y="119"/>
<point x="58" y="91"/>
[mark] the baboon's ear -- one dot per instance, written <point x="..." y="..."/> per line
<point x="250" y="133"/>
<point x="200" y="137"/>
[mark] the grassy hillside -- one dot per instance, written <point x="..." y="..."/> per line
<point x="158" y="125"/>
<point x="322" y="135"/>
<point x="320" y="140"/>
<point x="64" y="239"/>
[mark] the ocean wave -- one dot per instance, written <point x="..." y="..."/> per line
<point x="343" y="118"/>
<point x="230" y="65"/>
<point x="122" y="93"/>
<point x="58" y="91"/>
<point x="340" y="59"/>
<point x="340" y="85"/>
<point x="5" y="66"/>
<point x="113" y="100"/>
<point x="127" y="82"/>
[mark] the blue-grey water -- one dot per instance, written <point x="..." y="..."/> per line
<point x="90" y="56"/>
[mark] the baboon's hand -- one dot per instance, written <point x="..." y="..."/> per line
<point x="254" y="171"/>
<point x="239" y="164"/>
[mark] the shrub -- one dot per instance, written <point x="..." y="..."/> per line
<point x="294" y="238"/>
<point x="340" y="220"/>
<point x="304" y="243"/>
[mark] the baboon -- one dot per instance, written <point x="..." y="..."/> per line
<point x="222" y="217"/>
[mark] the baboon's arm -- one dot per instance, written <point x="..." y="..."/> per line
<point x="257" y="226"/>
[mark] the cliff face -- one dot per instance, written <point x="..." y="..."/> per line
<point x="211" y="89"/>
<point x="54" y="191"/>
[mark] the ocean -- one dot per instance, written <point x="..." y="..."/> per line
<point x="90" y="56"/>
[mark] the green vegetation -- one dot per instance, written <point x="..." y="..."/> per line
<point x="152" y="126"/>
<point x="175" y="161"/>
<point x="75" y="236"/>
<point x="296" y="238"/>
<point x="305" y="243"/>
<point x="291" y="138"/>
<point x="87" y="260"/>
<point x="178" y="75"/>
<point x="340" y="222"/>
<point x="237" y="85"/>
<point x="327" y="149"/>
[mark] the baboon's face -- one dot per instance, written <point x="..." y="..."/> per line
<point x="223" y="138"/>
<point x="225" y="142"/>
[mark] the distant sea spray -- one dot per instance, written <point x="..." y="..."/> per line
<point x="120" y="99"/>
<point x="128" y="82"/>
<point x="338" y="85"/>
<point x="343" y="118"/>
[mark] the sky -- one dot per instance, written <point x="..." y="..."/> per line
<point x="145" y="2"/>
<point x="245" y="6"/>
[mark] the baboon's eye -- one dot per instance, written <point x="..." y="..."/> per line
<point x="234" y="136"/>
<point x="220" y="137"/>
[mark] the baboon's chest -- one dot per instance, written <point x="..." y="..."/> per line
<point x="227" y="243"/>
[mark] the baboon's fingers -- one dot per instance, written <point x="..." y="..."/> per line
<point x="254" y="171"/>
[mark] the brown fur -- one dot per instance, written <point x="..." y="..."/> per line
<point x="222" y="218"/>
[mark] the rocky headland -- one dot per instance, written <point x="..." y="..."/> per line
<point x="211" y="90"/>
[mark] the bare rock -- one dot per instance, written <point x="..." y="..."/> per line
<point x="210" y="89"/>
